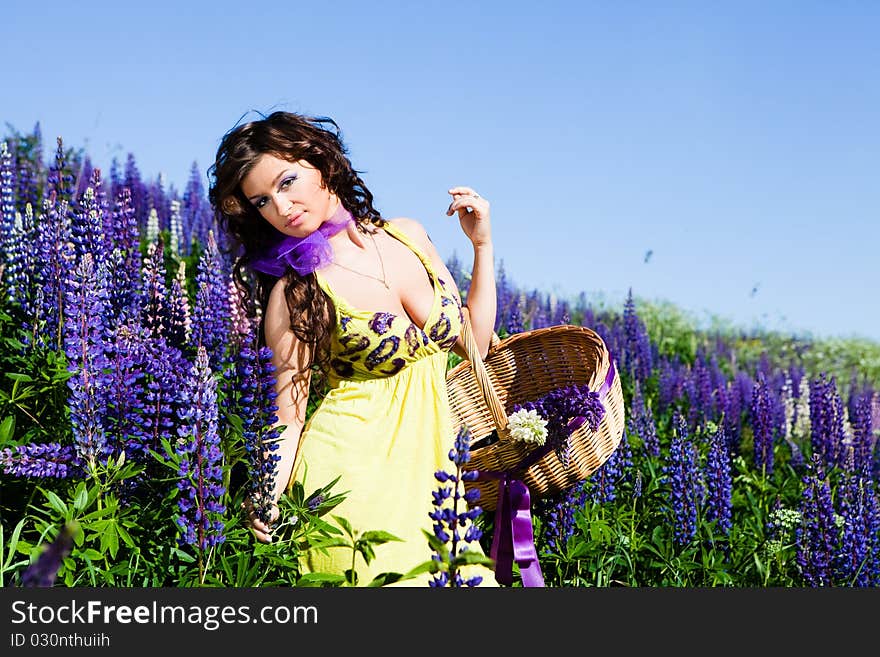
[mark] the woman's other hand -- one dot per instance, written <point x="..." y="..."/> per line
<point x="262" y="530"/>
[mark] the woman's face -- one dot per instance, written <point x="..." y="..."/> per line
<point x="289" y="195"/>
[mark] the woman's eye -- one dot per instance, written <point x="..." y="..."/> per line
<point x="260" y="203"/>
<point x="287" y="181"/>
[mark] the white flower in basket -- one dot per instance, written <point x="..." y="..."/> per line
<point x="528" y="427"/>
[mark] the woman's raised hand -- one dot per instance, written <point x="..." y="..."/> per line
<point x="473" y="215"/>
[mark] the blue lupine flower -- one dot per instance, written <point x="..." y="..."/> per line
<point x="257" y="408"/>
<point x="123" y="419"/>
<point x="60" y="181"/>
<point x="514" y="317"/>
<point x="454" y="513"/>
<point x="685" y="487"/>
<point x="857" y="561"/>
<point x="637" y="354"/>
<point x="603" y="483"/>
<point x="54" y="261"/>
<point x="178" y="323"/>
<point x="154" y="302"/>
<point x="125" y="259"/>
<point x="863" y="440"/>
<point x="826" y="421"/>
<point x="201" y="474"/>
<point x="211" y="314"/>
<point x="7" y="197"/>
<point x="816" y="537"/>
<point x="84" y="344"/>
<point x="760" y="412"/>
<point x="87" y="224"/>
<point x="558" y="515"/>
<point x="165" y="372"/>
<point x="641" y="423"/>
<point x="719" y="485"/>
<point x="44" y="460"/>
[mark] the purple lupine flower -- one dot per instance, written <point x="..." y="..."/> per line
<point x="178" y="323"/>
<point x="602" y="485"/>
<point x="43" y="460"/>
<point x="123" y="418"/>
<point x="558" y="515"/>
<point x="154" y="301"/>
<point x="816" y="537"/>
<point x="563" y="314"/>
<point x="861" y="450"/>
<point x="719" y="485"/>
<point x="514" y="317"/>
<point x="640" y="422"/>
<point x="681" y="473"/>
<point x="453" y="525"/>
<point x="826" y="420"/>
<point x="201" y="473"/>
<point x="43" y="571"/>
<point x="18" y="264"/>
<point x="256" y="381"/>
<point x="165" y="370"/>
<point x="737" y="401"/>
<point x="560" y="406"/>
<point x="856" y="562"/>
<point x="54" y="260"/>
<point x="671" y="379"/>
<point x="125" y="259"/>
<point x="211" y="321"/>
<point x="60" y="181"/>
<point x="7" y="197"/>
<point x="637" y="355"/>
<point x="87" y="226"/>
<point x="84" y="344"/>
<point x="760" y="411"/>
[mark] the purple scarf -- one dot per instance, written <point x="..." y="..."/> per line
<point x="304" y="254"/>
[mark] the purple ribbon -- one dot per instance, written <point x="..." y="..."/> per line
<point x="304" y="254"/>
<point x="513" y="538"/>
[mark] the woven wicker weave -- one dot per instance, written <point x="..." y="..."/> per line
<point x="522" y="368"/>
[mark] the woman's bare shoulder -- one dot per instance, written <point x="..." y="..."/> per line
<point x="413" y="229"/>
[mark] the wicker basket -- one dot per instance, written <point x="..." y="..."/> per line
<point x="522" y="368"/>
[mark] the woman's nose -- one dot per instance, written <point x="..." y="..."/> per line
<point x="281" y="204"/>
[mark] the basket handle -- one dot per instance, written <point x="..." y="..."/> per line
<point x="499" y="416"/>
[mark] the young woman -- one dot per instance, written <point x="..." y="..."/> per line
<point x="369" y="302"/>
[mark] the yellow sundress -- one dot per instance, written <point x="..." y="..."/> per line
<point x="385" y="428"/>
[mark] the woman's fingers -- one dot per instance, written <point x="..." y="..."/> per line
<point x="465" y="197"/>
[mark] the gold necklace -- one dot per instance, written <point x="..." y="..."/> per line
<point x="382" y="280"/>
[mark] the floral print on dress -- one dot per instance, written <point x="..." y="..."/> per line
<point x="380" y="344"/>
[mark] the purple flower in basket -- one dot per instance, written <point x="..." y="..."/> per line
<point x="566" y="409"/>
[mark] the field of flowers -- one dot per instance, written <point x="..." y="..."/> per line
<point x="136" y="414"/>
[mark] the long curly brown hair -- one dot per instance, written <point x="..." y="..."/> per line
<point x="292" y="137"/>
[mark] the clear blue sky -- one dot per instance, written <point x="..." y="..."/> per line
<point x="738" y="142"/>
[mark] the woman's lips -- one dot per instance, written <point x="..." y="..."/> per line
<point x="292" y="220"/>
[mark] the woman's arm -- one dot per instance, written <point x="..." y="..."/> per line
<point x="292" y="376"/>
<point x="473" y="215"/>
